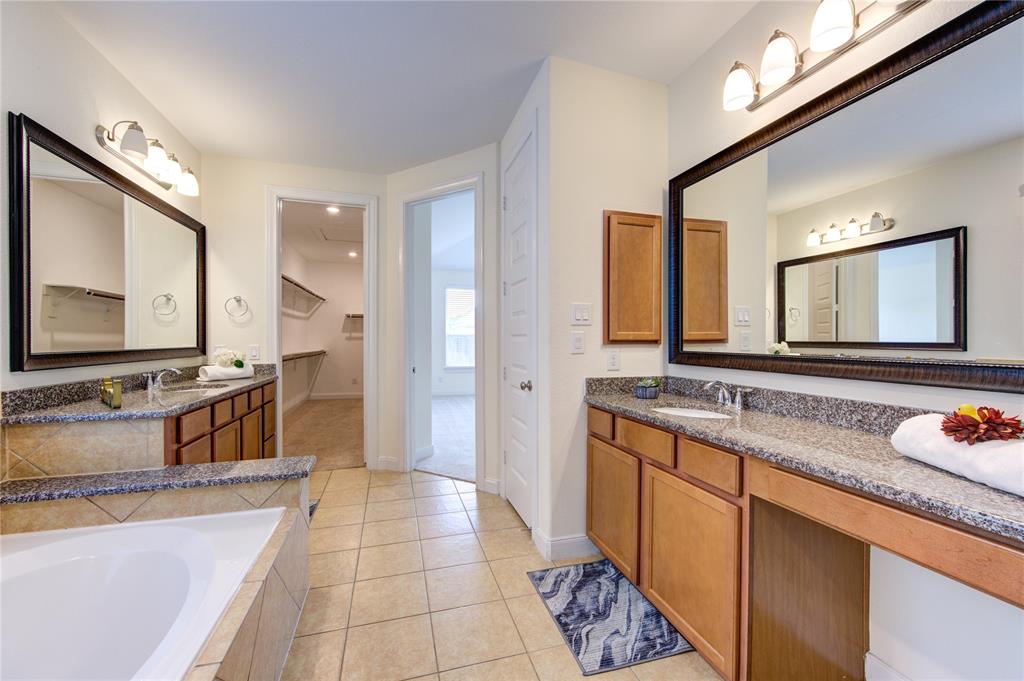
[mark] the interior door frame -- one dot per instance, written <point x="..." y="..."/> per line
<point x="529" y="131"/>
<point x="371" y="323"/>
<point x="475" y="182"/>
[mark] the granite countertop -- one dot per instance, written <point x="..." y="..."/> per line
<point x="851" y="458"/>
<point x="136" y="404"/>
<point x="171" y="477"/>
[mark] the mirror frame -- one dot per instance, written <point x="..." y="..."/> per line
<point x="22" y="132"/>
<point x="963" y="30"/>
<point x="959" y="342"/>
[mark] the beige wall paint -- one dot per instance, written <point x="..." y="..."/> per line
<point x="53" y="75"/>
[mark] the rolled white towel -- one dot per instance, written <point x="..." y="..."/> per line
<point x="218" y="373"/>
<point x="996" y="463"/>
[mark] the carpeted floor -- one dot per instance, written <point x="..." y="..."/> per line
<point x="330" y="430"/>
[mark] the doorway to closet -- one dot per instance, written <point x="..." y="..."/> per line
<point x="322" y="319"/>
<point x="442" y="322"/>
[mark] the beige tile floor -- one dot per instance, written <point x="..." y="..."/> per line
<point x="416" y="576"/>
<point x="330" y="430"/>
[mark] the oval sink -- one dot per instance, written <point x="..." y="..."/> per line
<point x="691" y="413"/>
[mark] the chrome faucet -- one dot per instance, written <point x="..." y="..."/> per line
<point x="734" y="400"/>
<point x="155" y="381"/>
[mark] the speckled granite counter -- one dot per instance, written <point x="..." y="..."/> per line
<point x="855" y="459"/>
<point x="171" y="477"/>
<point x="136" y="404"/>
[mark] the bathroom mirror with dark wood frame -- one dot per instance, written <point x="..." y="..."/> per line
<point x="101" y="270"/>
<point x="790" y="161"/>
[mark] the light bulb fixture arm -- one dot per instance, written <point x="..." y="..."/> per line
<point x="105" y="137"/>
<point x="111" y="134"/>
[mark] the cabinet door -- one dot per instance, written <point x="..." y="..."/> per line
<point x="269" y="419"/>
<point x="632" y="278"/>
<point x="226" y="442"/>
<point x="613" y="504"/>
<point x="270" y="448"/>
<point x="197" y="452"/>
<point x="252" y="436"/>
<point x="691" y="560"/>
<point x="705" y="281"/>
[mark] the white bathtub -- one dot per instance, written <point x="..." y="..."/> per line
<point x="131" y="601"/>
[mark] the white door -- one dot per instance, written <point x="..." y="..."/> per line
<point x="519" y="328"/>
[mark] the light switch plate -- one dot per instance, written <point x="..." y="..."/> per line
<point x="745" y="341"/>
<point x="612" y="360"/>
<point x="741" y="315"/>
<point x="254" y="352"/>
<point x="576" y="342"/>
<point x="581" y="314"/>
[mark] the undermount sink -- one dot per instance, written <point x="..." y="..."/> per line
<point x="195" y="385"/>
<point x="691" y="413"/>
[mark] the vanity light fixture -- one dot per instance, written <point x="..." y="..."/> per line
<point x="148" y="156"/>
<point x="832" y="235"/>
<point x="353" y="254"/>
<point x="333" y="210"/>
<point x="836" y="28"/>
<point x="852" y="229"/>
<point x="781" y="59"/>
<point x="740" y="88"/>
<point x="833" y="25"/>
<point x="877" y="224"/>
<point x="813" y="239"/>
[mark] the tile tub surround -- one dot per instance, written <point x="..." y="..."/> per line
<point x="252" y="638"/>
<point x="134" y="405"/>
<point x="203" y="489"/>
<point x="855" y="459"/>
<point x="185" y="476"/>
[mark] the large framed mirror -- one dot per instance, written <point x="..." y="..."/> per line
<point x="833" y="242"/>
<point x="101" y="271"/>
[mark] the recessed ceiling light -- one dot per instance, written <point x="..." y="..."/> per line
<point x="333" y="210"/>
<point x="353" y="254"/>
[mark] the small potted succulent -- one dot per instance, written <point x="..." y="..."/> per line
<point x="648" y="388"/>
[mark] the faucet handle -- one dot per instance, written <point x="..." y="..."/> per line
<point x="738" y="400"/>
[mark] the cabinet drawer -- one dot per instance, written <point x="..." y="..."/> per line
<point x="269" y="391"/>
<point x="655" y="444"/>
<point x="255" y="398"/>
<point x="221" y="413"/>
<point x="197" y="452"/>
<point x="718" y="468"/>
<point x="193" y="424"/>
<point x="269" y="419"/>
<point x="600" y="423"/>
<point x="241" y="403"/>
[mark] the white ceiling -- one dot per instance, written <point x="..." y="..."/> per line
<point x="451" y="232"/>
<point x="375" y="86"/>
<point x="968" y="100"/>
<point x="320" y="236"/>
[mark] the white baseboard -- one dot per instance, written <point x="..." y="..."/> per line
<point x="563" y="548"/>
<point x="490" y="485"/>
<point x="336" y="396"/>
<point x="876" y="670"/>
<point x="388" y="463"/>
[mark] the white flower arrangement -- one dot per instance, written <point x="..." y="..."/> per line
<point x="778" y="348"/>
<point x="229" y="358"/>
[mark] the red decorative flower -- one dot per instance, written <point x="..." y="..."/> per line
<point x="990" y="424"/>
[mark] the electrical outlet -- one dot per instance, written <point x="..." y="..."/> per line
<point x="745" y="341"/>
<point x="254" y="352"/>
<point x="576" y="340"/>
<point x="612" y="360"/>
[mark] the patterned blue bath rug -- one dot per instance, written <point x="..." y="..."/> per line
<point x="605" y="620"/>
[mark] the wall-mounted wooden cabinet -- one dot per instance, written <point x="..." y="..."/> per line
<point x="705" y="281"/>
<point x="232" y="429"/>
<point x="632" y="277"/>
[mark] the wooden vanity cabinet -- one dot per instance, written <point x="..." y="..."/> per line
<point x="690" y="558"/>
<point x="613" y="504"/>
<point x="231" y="429"/>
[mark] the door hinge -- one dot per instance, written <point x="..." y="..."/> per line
<point x="414" y="370"/>
<point x="504" y="203"/>
<point x="504" y="456"/>
<point x="504" y="288"/>
<point x="504" y="373"/>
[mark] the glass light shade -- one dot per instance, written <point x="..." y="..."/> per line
<point x="188" y="185"/>
<point x="833" y="25"/>
<point x="852" y="229"/>
<point x="813" y="239"/>
<point x="740" y="90"/>
<point x="780" y="59"/>
<point x="156" y="159"/>
<point x="353" y="254"/>
<point x="133" y="142"/>
<point x="833" y="234"/>
<point x="333" y="210"/>
<point x="877" y="223"/>
<point x="172" y="170"/>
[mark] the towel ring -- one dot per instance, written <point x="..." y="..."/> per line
<point x="169" y="300"/>
<point x="239" y="300"/>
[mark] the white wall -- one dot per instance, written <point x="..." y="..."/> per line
<point x="699" y="128"/>
<point x="444" y="380"/>
<point x="49" y="72"/>
<point x="341" y="374"/>
<point x="394" y="377"/>
<point x="977" y="189"/>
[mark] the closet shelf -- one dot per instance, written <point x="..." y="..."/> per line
<point x="67" y="291"/>
<point x="288" y="357"/>
<point x="301" y="289"/>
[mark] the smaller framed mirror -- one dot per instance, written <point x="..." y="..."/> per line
<point x="908" y="293"/>
<point x="101" y="270"/>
